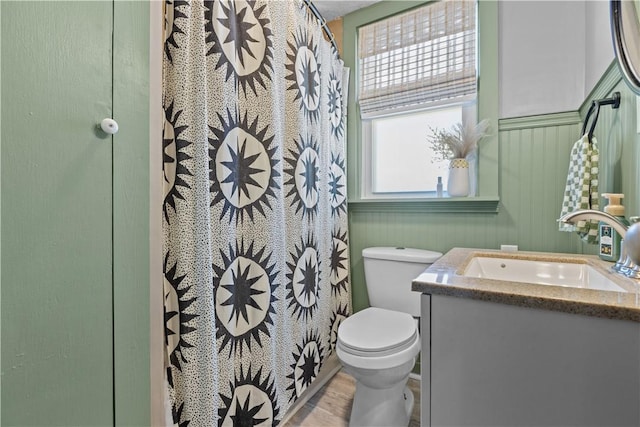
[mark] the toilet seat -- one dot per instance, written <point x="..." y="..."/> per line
<point x="376" y="338"/>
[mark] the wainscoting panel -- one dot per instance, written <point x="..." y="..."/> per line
<point x="619" y="145"/>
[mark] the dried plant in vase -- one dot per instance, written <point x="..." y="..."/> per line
<point x="458" y="142"/>
<point x="456" y="145"/>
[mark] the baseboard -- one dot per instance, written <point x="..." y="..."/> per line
<point x="330" y="367"/>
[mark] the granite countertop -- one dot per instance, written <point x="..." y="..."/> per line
<point x="444" y="277"/>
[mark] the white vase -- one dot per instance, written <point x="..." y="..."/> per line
<point x="458" y="183"/>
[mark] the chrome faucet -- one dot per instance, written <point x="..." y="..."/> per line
<point x="629" y="261"/>
<point x="587" y="214"/>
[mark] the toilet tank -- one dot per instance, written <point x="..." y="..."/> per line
<point x="388" y="274"/>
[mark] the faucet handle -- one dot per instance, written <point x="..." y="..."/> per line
<point x="633" y="273"/>
<point x="627" y="266"/>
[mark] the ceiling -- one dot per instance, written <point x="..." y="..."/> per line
<point x="332" y="9"/>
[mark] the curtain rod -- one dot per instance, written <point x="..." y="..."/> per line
<point x="323" y="22"/>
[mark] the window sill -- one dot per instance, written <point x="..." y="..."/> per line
<point x="481" y="205"/>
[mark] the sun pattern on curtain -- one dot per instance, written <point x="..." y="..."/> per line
<point x="256" y="270"/>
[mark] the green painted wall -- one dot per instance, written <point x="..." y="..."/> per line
<point x="618" y="140"/>
<point x="56" y="214"/>
<point x="531" y="165"/>
<point x="533" y="168"/>
<point x="75" y="283"/>
<point x="374" y="224"/>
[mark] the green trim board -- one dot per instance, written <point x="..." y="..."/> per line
<point x="436" y="205"/>
<point x="488" y="99"/>
<point x="156" y="294"/>
<point x="542" y="120"/>
<point x="0" y="214"/>
<point x="131" y="194"/>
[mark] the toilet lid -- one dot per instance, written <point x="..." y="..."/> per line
<point x="377" y="330"/>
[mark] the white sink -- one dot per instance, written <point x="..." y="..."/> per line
<point x="575" y="275"/>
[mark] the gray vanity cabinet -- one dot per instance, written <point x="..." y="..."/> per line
<point x="491" y="364"/>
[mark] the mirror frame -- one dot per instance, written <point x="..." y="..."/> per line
<point x="620" y="49"/>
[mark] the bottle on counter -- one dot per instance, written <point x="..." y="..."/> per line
<point x="439" y="187"/>
<point x="609" y="242"/>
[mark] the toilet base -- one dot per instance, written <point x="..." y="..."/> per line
<point x="382" y="407"/>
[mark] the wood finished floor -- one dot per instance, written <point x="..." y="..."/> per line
<point x="331" y="406"/>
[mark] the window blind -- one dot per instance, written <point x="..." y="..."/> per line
<point x="424" y="55"/>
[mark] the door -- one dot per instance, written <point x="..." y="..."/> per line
<point x="57" y="333"/>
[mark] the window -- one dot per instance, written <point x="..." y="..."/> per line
<point x="417" y="72"/>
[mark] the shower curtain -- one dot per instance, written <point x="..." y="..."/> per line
<point x="256" y="269"/>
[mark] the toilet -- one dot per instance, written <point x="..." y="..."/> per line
<point x="378" y="345"/>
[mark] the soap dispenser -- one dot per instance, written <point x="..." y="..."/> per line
<point x="609" y="242"/>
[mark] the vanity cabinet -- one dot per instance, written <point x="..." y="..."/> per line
<point x="493" y="364"/>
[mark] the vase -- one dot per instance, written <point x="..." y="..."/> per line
<point x="458" y="183"/>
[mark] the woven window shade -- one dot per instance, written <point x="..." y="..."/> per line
<point x="424" y="55"/>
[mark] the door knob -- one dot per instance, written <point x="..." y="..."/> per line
<point x="109" y="126"/>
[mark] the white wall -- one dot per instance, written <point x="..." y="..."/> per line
<point x="598" y="42"/>
<point x="552" y="53"/>
<point x="542" y="57"/>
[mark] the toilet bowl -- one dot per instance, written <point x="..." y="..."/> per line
<point x="378" y="348"/>
<point x="378" y="345"/>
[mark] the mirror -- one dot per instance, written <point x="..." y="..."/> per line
<point x="625" y="30"/>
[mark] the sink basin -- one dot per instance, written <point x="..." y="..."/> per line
<point x="541" y="272"/>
